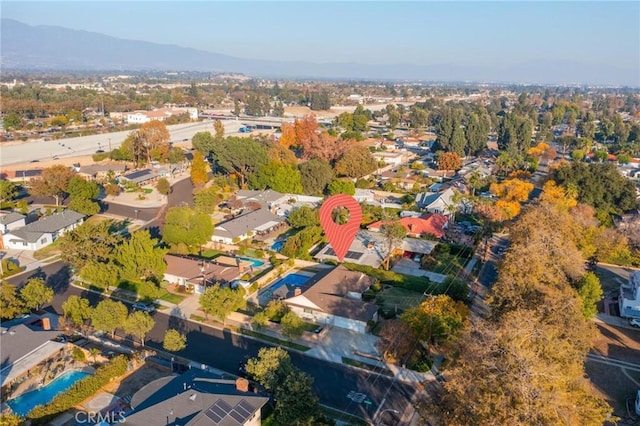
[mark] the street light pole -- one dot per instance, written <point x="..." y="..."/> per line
<point x="378" y="413"/>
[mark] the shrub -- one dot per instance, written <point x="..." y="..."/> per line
<point x="78" y="354"/>
<point x="80" y="390"/>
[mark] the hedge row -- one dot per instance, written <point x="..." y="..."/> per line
<point x="80" y="391"/>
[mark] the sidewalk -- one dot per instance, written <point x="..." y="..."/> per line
<point x="330" y="345"/>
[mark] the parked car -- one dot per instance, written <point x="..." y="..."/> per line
<point x="144" y="307"/>
<point x="634" y="322"/>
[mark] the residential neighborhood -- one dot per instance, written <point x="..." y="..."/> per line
<point x="166" y="258"/>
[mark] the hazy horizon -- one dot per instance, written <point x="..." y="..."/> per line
<point x="476" y="35"/>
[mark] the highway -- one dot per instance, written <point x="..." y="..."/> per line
<point x="24" y="152"/>
<point x="333" y="383"/>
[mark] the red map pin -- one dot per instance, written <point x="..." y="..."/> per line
<point x="340" y="236"/>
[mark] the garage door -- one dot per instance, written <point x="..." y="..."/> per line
<point x="349" y="324"/>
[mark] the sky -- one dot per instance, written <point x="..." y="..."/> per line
<point x="476" y="33"/>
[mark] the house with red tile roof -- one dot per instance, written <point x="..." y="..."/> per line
<point x="417" y="227"/>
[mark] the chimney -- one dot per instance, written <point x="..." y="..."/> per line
<point x="46" y="323"/>
<point x="297" y="291"/>
<point x="242" y="384"/>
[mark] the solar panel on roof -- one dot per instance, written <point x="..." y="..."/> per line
<point x="212" y="416"/>
<point x="244" y="404"/>
<point x="226" y="407"/>
<point x="238" y="417"/>
<point x="242" y="410"/>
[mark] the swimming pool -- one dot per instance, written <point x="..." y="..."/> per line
<point x="254" y="262"/>
<point x="293" y="279"/>
<point x="26" y="402"/>
<point x="277" y="246"/>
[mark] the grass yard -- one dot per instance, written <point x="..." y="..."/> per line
<point x="400" y="298"/>
<point x="171" y="297"/>
<point x="50" y="250"/>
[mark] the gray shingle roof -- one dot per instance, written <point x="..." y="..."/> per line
<point x="185" y="399"/>
<point x="245" y="223"/>
<point x="7" y="219"/>
<point x="263" y="197"/>
<point x="55" y="222"/>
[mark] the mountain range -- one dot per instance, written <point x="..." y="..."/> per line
<point x="39" y="48"/>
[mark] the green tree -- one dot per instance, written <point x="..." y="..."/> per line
<point x="36" y="293"/>
<point x="176" y="155"/>
<point x="10" y="304"/>
<point x="260" y="320"/>
<point x="109" y="315"/>
<point x="205" y="200"/>
<point x="270" y="368"/>
<point x="174" y="341"/>
<point x="8" y="190"/>
<point x="393" y="119"/>
<point x="138" y="324"/>
<point x="187" y="226"/>
<point x="279" y="177"/>
<point x="590" y="293"/>
<point x="91" y="241"/>
<point x="356" y="161"/>
<point x="84" y="206"/>
<point x="295" y="401"/>
<point x="315" y="175"/>
<point x="292" y="389"/>
<point x="303" y="216"/>
<point x="242" y="156"/>
<point x="77" y="310"/>
<point x="203" y="142"/>
<point x="220" y="302"/>
<point x="163" y="186"/>
<point x="436" y="319"/>
<point x="477" y="133"/>
<point x="140" y="257"/>
<point x="340" y="186"/>
<point x="53" y="182"/>
<point x="101" y="274"/>
<point x="12" y="121"/>
<point x="80" y="188"/>
<point x="292" y="325"/>
<point x="199" y="170"/>
<point x="394" y="233"/>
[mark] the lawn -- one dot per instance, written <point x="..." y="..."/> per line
<point x="210" y="254"/>
<point x="50" y="250"/>
<point x="400" y="298"/>
<point x="419" y="284"/>
<point x="171" y="297"/>
<point x="274" y="340"/>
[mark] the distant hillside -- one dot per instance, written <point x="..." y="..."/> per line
<point x="54" y="48"/>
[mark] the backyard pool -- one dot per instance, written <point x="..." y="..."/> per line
<point x="26" y="402"/>
<point x="277" y="246"/>
<point x="292" y="279"/>
<point x="254" y="262"/>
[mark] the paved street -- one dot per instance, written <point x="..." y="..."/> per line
<point x="224" y="350"/>
<point x="22" y="152"/>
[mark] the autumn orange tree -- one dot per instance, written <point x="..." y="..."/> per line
<point x="449" y="161"/>
<point x="306" y="137"/>
<point x="53" y="182"/>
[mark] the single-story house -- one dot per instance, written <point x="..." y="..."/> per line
<point x="26" y="343"/>
<point x="10" y="221"/>
<point x="391" y="158"/>
<point x="257" y="222"/>
<point x="417" y="227"/>
<point x="139" y="177"/>
<point x="264" y="198"/>
<point x="194" y="274"/>
<point x="42" y="232"/>
<point x="334" y="298"/>
<point x="438" y="202"/>
<point x="100" y="171"/>
<point x="24" y="176"/>
<point x="196" y="398"/>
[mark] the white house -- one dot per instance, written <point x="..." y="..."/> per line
<point x="240" y="228"/>
<point x="439" y="202"/>
<point x="43" y="232"/>
<point x="334" y="298"/>
<point x="391" y="158"/>
<point x="141" y="117"/>
<point x="10" y="221"/>
<point x="629" y="299"/>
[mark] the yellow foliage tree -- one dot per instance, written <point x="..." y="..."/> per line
<point x="509" y="209"/>
<point x="558" y="196"/>
<point x="512" y="190"/>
